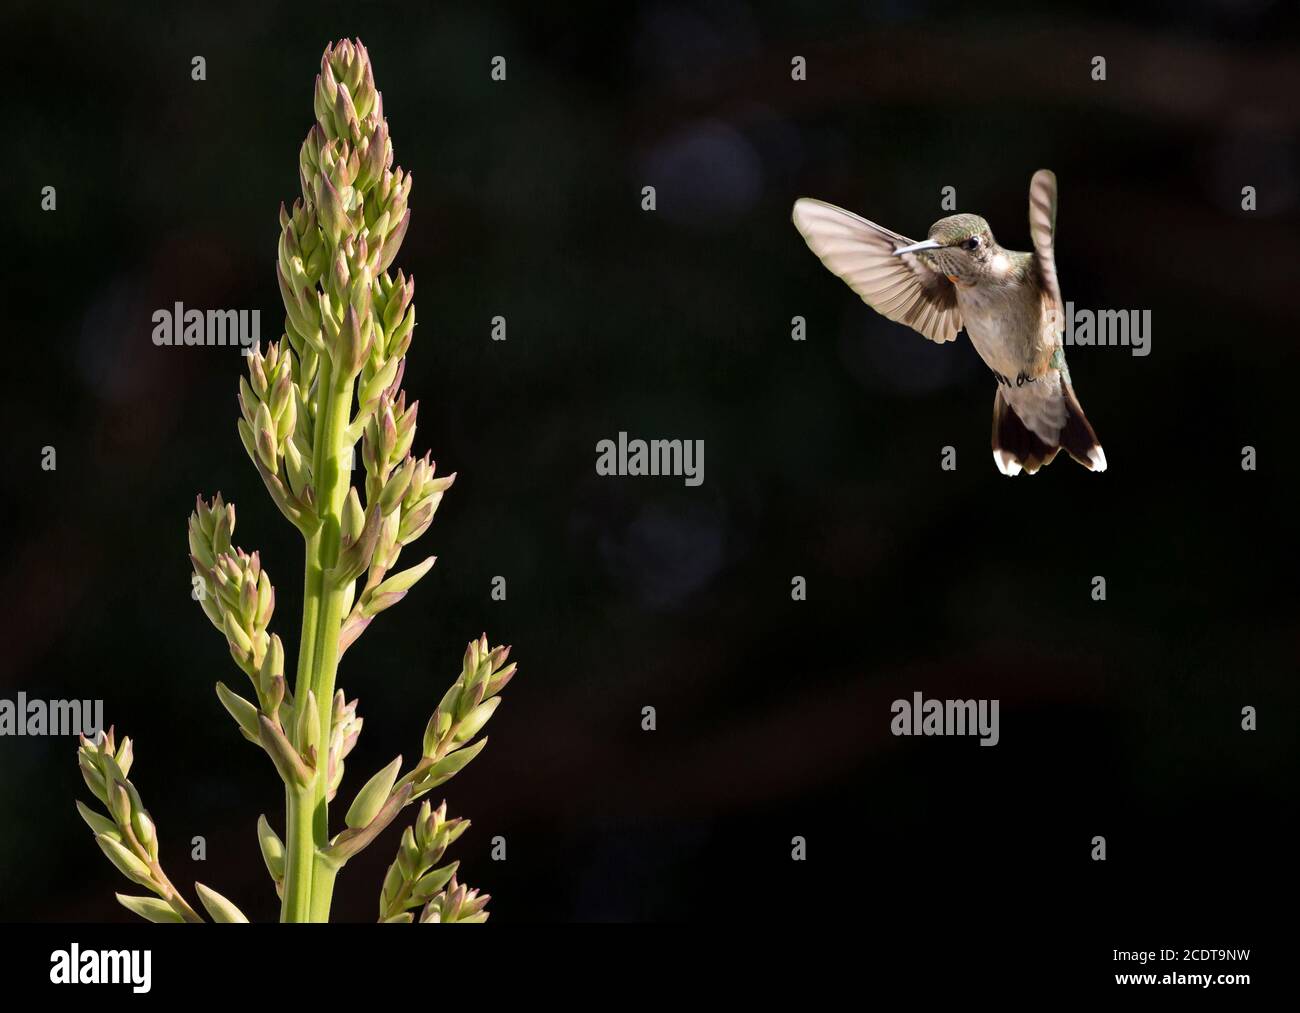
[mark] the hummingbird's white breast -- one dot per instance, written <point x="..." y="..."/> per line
<point x="1015" y="330"/>
<point x="1009" y="324"/>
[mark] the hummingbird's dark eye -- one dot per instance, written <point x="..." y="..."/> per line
<point x="973" y="243"/>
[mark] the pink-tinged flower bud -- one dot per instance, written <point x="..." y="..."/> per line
<point x="375" y="153"/>
<point x="329" y="206"/>
<point x="223" y="528"/>
<point x="387" y="434"/>
<point x="248" y="603"/>
<point x="393" y="241"/>
<point x="353" y="519"/>
<point x="396" y="486"/>
<point x="297" y="467"/>
<point x="264" y="431"/>
<point x="272" y="668"/>
<point x="327" y="89"/>
<point x="346" y="122"/>
<point x="281" y="394"/>
<point x="367" y="97"/>
<point x="265" y="601"/>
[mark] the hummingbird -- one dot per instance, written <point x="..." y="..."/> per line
<point x="1008" y="302"/>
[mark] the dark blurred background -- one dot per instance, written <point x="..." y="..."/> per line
<point x="1119" y="718"/>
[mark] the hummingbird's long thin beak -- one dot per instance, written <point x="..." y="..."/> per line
<point x="925" y="244"/>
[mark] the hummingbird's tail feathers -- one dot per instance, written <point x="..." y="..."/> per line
<point x="1016" y="447"/>
<point x="1077" y="436"/>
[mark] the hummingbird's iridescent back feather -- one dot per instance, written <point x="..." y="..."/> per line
<point x="904" y="289"/>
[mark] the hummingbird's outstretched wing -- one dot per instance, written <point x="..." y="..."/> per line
<point x="862" y="253"/>
<point x="1042" y="230"/>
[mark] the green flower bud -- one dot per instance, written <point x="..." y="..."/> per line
<point x="244" y="713"/>
<point x="97" y="823"/>
<point x="396" y="486"/>
<point x="240" y="644"/>
<point x="93" y="778"/>
<point x="307" y="732"/>
<point x="402" y="582"/>
<point x="145" y="832"/>
<point x="450" y="765"/>
<point x="125" y="755"/>
<point x="329" y="206"/>
<point x="272" y="849"/>
<point x="354" y="517"/>
<point x="371" y="798"/>
<point x="272" y="667"/>
<point x="297" y="467"/>
<point x="432" y="882"/>
<point x="119" y="804"/>
<point x="126" y="861"/>
<point x="264" y="431"/>
<point x="474" y="722"/>
<point x="217" y="906"/>
<point x="151" y="909"/>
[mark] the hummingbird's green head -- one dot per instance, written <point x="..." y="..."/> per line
<point x="960" y="246"/>
<point x="965" y="232"/>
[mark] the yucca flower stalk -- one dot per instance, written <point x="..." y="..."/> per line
<point x="333" y="380"/>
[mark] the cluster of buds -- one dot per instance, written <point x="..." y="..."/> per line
<point x="412" y="879"/>
<point x="394" y="308"/>
<point x="127" y="835"/>
<point x="345" y="728"/>
<point x="350" y="110"/>
<point x="461" y="714"/>
<point x="457" y="903"/>
<point x="234" y="590"/>
<point x="271" y="404"/>
<point x="348" y="230"/>
<point x="407" y="492"/>
<point x="303" y="257"/>
<point x="341" y="305"/>
<point x="238" y="598"/>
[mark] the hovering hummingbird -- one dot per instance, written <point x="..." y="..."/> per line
<point x="1010" y="304"/>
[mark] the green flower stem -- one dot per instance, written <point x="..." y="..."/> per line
<point x="322" y="891"/>
<point x="332" y="449"/>
<point x="299" y="844"/>
<point x="299" y="853"/>
<point x="309" y="885"/>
